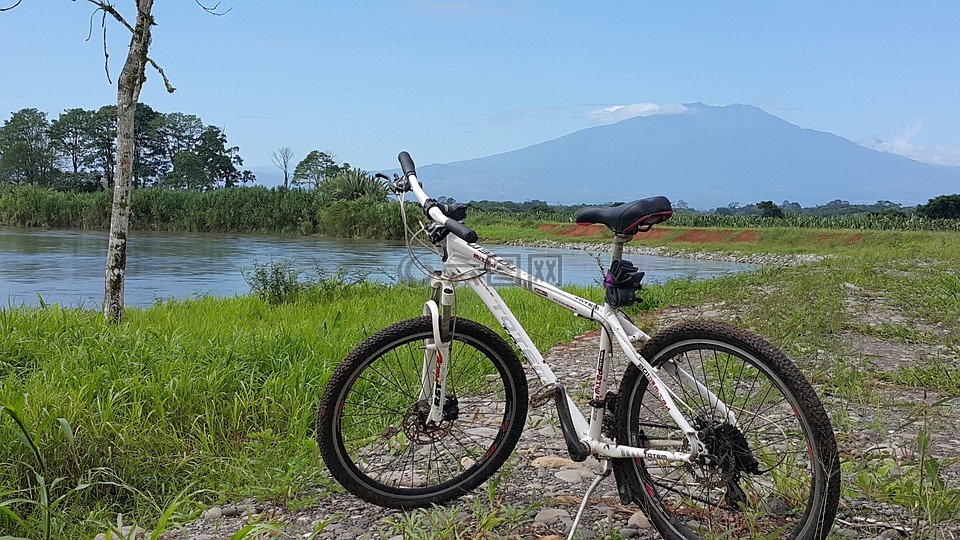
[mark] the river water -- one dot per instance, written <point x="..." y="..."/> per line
<point x="67" y="266"/>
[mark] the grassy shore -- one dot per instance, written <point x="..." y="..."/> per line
<point x="215" y="399"/>
<point x="218" y="394"/>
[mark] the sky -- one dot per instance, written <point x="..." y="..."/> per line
<point x="456" y="80"/>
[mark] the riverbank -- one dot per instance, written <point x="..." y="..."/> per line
<point x="759" y="259"/>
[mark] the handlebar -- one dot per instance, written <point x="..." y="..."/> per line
<point x="406" y="164"/>
<point x="457" y="228"/>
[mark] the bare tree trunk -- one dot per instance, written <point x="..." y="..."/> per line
<point x="281" y="158"/>
<point x="128" y="94"/>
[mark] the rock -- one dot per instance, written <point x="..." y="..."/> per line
<point x="548" y="515"/>
<point x="553" y="462"/>
<point x="570" y="475"/>
<point x="212" y="513"/>
<point x="639" y="521"/>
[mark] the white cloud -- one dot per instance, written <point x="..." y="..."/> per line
<point x="616" y="113"/>
<point x="935" y="154"/>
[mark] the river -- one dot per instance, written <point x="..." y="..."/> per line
<point x="67" y="266"/>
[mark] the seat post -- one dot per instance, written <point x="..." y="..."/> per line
<point x="618" y="241"/>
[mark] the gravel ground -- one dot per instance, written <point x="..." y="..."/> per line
<point x="767" y="259"/>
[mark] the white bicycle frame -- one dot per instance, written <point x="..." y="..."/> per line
<point x="469" y="263"/>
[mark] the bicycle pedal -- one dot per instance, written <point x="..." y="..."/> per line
<point x="542" y="396"/>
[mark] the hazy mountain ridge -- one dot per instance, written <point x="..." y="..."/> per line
<point x="708" y="156"/>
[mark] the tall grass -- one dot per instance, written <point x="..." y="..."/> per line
<point x="254" y="209"/>
<point x="258" y="209"/>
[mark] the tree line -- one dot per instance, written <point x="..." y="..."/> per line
<point x="942" y="207"/>
<point x="77" y="151"/>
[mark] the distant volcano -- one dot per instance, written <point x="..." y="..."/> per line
<point x="707" y="156"/>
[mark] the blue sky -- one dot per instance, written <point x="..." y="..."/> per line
<point x="454" y="80"/>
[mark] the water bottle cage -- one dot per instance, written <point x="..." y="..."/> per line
<point x="622" y="283"/>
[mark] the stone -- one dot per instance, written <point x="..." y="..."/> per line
<point x="212" y="513"/>
<point x="547" y="515"/>
<point x="553" y="462"/>
<point x="639" y="521"/>
<point x="570" y="475"/>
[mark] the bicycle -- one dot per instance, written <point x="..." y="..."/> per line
<point x="713" y="431"/>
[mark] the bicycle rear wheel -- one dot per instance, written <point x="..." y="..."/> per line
<point x="373" y="430"/>
<point x="773" y="472"/>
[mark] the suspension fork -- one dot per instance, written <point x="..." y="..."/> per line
<point x="436" y="354"/>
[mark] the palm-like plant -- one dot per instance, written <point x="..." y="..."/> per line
<point x="354" y="184"/>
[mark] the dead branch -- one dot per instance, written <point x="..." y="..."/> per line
<point x="106" y="7"/>
<point x="213" y="9"/>
<point x="106" y="54"/>
<point x="166" y="82"/>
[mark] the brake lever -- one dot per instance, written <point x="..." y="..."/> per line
<point x="398" y="184"/>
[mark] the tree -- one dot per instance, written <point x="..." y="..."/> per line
<point x="791" y="207"/>
<point x="129" y="85"/>
<point x="150" y="162"/>
<point x="104" y="133"/>
<point x="72" y="134"/>
<point x="176" y="133"/>
<point x="769" y="209"/>
<point x="315" y="168"/>
<point x="220" y="162"/>
<point x="27" y="155"/>
<point x="942" y="207"/>
<point x="282" y="157"/>
<point x="188" y="172"/>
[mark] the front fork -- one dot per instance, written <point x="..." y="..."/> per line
<point x="436" y="354"/>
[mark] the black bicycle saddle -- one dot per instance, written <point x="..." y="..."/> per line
<point x="629" y="218"/>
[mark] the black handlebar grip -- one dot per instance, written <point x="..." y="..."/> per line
<point x="406" y="164"/>
<point x="461" y="230"/>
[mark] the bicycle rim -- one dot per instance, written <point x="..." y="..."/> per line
<point x="388" y="453"/>
<point x="768" y="472"/>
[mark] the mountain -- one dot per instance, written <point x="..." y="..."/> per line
<point x="707" y="156"/>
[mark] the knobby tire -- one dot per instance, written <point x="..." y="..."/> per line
<point x="370" y="425"/>
<point x="784" y="484"/>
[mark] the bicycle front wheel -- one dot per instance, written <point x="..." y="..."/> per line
<point x="373" y="429"/>
<point x="771" y="469"/>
